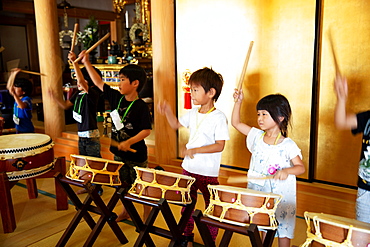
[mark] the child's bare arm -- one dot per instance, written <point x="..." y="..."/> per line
<point x="62" y="104"/>
<point x="343" y="119"/>
<point x="218" y="146"/>
<point x="95" y="77"/>
<point x="235" y="116"/>
<point x="165" y="109"/>
<point x="80" y="78"/>
<point x="11" y="79"/>
<point x="297" y="169"/>
<point x="126" y="145"/>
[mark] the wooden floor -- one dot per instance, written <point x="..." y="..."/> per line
<point x="40" y="224"/>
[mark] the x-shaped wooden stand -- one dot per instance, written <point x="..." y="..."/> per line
<point x="175" y="229"/>
<point x="83" y="209"/>
<point x="252" y="231"/>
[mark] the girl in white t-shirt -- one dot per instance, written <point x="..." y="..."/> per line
<point x="273" y="154"/>
<point x="208" y="133"/>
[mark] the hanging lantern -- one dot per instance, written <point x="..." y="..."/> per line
<point x="187" y="96"/>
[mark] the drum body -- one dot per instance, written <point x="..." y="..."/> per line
<point x="25" y="156"/>
<point x="96" y="170"/>
<point x="156" y="184"/>
<point x="241" y="206"/>
<point x="333" y="230"/>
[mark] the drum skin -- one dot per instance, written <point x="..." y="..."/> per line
<point x="155" y="192"/>
<point x="241" y="215"/>
<point x="336" y="228"/>
<point x="86" y="171"/>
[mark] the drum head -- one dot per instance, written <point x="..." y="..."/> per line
<point x="23" y="145"/>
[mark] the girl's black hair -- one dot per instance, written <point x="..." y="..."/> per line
<point x="278" y="106"/>
<point x="25" y="84"/>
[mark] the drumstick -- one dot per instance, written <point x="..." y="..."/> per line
<point x="241" y="79"/>
<point x="94" y="46"/>
<point x="243" y="179"/>
<point x="116" y="144"/>
<point x="74" y="36"/>
<point x="337" y="70"/>
<point x="31" y="72"/>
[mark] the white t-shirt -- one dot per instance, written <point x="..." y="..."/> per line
<point x="205" y="129"/>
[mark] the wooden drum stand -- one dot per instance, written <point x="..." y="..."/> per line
<point x="83" y="209"/>
<point x="252" y="231"/>
<point x="27" y="156"/>
<point x="175" y="229"/>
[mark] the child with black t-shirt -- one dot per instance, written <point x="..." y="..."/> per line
<point x="131" y="120"/>
<point x="84" y="103"/>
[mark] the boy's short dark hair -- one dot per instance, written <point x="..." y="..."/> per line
<point x="25" y="84"/>
<point x="86" y="75"/>
<point x="208" y="78"/>
<point x="134" y="72"/>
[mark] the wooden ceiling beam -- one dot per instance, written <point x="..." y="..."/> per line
<point x="16" y="6"/>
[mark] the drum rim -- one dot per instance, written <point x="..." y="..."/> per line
<point x="160" y="172"/>
<point x="96" y="159"/>
<point x="336" y="221"/>
<point x="244" y="191"/>
<point x="22" y="136"/>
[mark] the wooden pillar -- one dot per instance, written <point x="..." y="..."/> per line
<point x="50" y="64"/>
<point x="164" y="76"/>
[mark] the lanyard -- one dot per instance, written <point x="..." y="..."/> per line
<point x="79" y="106"/>
<point x="203" y="118"/>
<point x="196" y="121"/>
<point x="277" y="138"/>
<point x="128" y="108"/>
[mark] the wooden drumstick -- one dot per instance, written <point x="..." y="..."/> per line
<point x="331" y="44"/>
<point x="243" y="179"/>
<point x="94" y="46"/>
<point x="31" y="72"/>
<point x="241" y="79"/>
<point x="74" y="37"/>
<point x="116" y="144"/>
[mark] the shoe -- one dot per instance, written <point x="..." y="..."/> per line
<point x="187" y="241"/>
<point x="100" y="192"/>
<point x="81" y="191"/>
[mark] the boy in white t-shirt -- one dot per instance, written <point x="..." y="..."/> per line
<point x="208" y="133"/>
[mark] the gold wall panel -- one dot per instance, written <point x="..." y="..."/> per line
<point x="339" y="151"/>
<point x="217" y="34"/>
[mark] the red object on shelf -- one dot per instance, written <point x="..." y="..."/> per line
<point x="187" y="101"/>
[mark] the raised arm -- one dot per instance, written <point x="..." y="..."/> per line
<point x="95" y="77"/>
<point x="342" y="119"/>
<point x="165" y="109"/>
<point x="10" y="87"/>
<point x="11" y="79"/>
<point x="235" y="116"/>
<point x="80" y="78"/>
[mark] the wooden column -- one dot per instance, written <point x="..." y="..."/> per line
<point x="164" y="76"/>
<point x="50" y="64"/>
